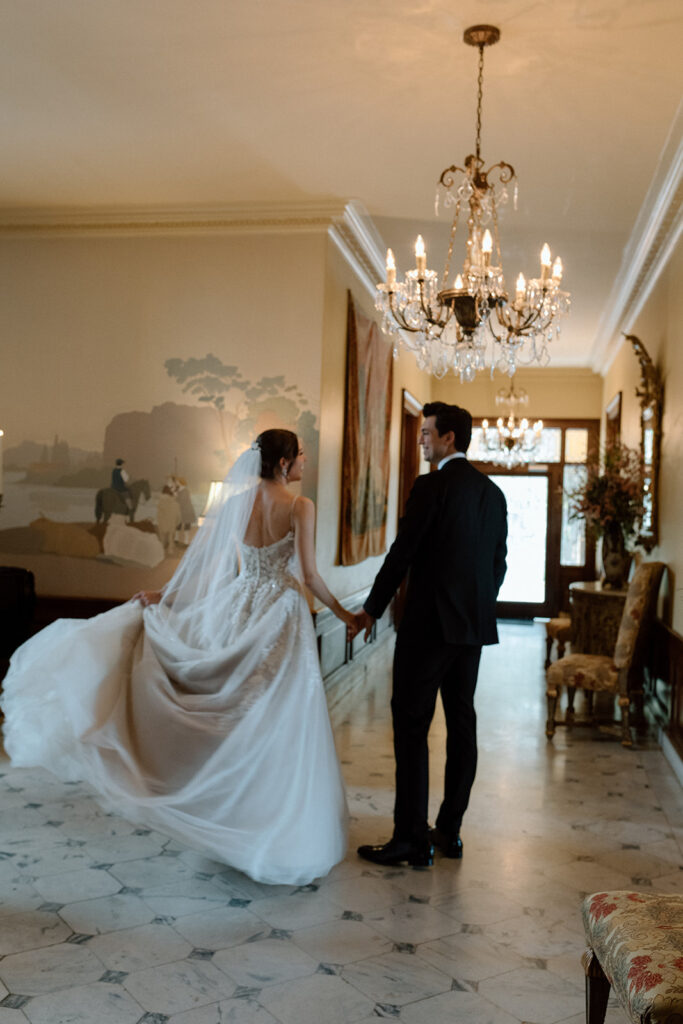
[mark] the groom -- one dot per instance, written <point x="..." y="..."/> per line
<point x="452" y="541"/>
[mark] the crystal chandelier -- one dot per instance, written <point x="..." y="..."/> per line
<point x="451" y="326"/>
<point x="513" y="441"/>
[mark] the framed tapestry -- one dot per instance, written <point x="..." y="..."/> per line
<point x="367" y="422"/>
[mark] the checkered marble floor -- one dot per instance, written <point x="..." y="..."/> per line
<point x="104" y="922"/>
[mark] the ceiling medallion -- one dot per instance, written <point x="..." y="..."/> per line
<point x="449" y="326"/>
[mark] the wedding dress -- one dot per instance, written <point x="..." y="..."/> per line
<point x="207" y="719"/>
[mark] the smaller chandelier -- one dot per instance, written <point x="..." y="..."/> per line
<point x="449" y="326"/>
<point x="513" y="441"/>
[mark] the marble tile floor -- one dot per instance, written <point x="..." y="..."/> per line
<point x="104" y="922"/>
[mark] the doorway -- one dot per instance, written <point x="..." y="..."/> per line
<point x="546" y="549"/>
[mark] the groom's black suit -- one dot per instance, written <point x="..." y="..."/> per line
<point x="452" y="542"/>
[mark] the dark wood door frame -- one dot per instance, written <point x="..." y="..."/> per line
<point x="558" y="577"/>
<point x="409" y="465"/>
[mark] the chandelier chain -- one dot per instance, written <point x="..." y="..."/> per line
<point x="480" y="94"/>
<point x="451" y="242"/>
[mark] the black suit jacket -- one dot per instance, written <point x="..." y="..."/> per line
<point x="452" y="540"/>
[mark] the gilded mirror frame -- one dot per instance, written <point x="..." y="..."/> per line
<point x="650" y="391"/>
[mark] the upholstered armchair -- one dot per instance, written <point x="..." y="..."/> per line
<point x="610" y="673"/>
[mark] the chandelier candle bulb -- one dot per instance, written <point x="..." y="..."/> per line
<point x="520" y="289"/>
<point x="545" y="262"/>
<point x="391" y="268"/>
<point x="458" y="284"/>
<point x="557" y="270"/>
<point x="487" y="247"/>
<point x="420" y="256"/>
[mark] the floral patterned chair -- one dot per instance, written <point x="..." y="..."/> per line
<point x="635" y="947"/>
<point x="610" y="674"/>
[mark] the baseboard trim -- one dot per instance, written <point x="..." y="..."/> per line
<point x="672" y="756"/>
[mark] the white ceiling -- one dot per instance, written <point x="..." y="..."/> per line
<point x="130" y="103"/>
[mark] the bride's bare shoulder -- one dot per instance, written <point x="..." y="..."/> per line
<point x="303" y="508"/>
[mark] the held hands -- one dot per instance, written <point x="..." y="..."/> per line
<point x="355" y="623"/>
<point x="147" y="597"/>
<point x="364" y="621"/>
<point x="352" y="628"/>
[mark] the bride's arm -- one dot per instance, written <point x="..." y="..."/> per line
<point x="304" y="519"/>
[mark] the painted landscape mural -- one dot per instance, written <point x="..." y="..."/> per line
<point x="136" y="501"/>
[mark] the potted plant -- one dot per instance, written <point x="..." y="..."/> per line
<point x="610" y="500"/>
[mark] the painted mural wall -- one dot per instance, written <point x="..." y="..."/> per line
<point x="146" y="363"/>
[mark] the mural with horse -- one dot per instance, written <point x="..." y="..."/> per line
<point x="109" y="501"/>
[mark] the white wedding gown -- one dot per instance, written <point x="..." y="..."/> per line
<point x="228" y="747"/>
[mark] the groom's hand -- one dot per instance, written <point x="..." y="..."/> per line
<point x="365" y="622"/>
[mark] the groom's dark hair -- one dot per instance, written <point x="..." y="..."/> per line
<point x="451" y="417"/>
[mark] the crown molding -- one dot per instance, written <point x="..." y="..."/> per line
<point x="647" y="252"/>
<point x="234" y="218"/>
<point x="348" y="224"/>
<point x="360" y="244"/>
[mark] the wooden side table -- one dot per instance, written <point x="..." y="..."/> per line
<point x="596" y="614"/>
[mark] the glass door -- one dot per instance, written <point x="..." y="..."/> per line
<point x="547" y="550"/>
<point x="524" y="588"/>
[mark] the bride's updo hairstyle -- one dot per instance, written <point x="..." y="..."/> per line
<point x="275" y="445"/>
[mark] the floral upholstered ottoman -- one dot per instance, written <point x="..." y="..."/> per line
<point x="635" y="946"/>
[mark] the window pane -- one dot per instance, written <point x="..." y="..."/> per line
<point x="527" y="500"/>
<point x="477" y="450"/>
<point x="550" y="445"/>
<point x="573" y="544"/>
<point x="575" y="444"/>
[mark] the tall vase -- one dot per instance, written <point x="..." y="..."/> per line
<point x="616" y="560"/>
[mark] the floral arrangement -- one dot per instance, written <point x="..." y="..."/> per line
<point x="611" y="495"/>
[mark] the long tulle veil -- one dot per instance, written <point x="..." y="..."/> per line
<point x="190" y="610"/>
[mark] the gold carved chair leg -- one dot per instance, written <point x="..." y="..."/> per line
<point x="626" y="738"/>
<point x="569" y="717"/>
<point x="561" y="646"/>
<point x="549" y="641"/>
<point x="552" y="705"/>
<point x="597" y="988"/>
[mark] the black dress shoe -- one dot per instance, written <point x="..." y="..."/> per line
<point x="400" y="851"/>
<point x="450" y="846"/>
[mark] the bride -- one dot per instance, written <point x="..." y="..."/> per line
<point x="200" y="710"/>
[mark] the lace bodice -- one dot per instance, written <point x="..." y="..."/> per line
<point x="271" y="564"/>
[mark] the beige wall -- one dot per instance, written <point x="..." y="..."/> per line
<point x="562" y="393"/>
<point x="339" y="277"/>
<point x="87" y="324"/>
<point x="659" y="328"/>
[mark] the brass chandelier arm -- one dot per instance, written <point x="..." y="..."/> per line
<point x="448" y="182"/>
<point x="403" y="324"/>
<point x="507" y="172"/>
